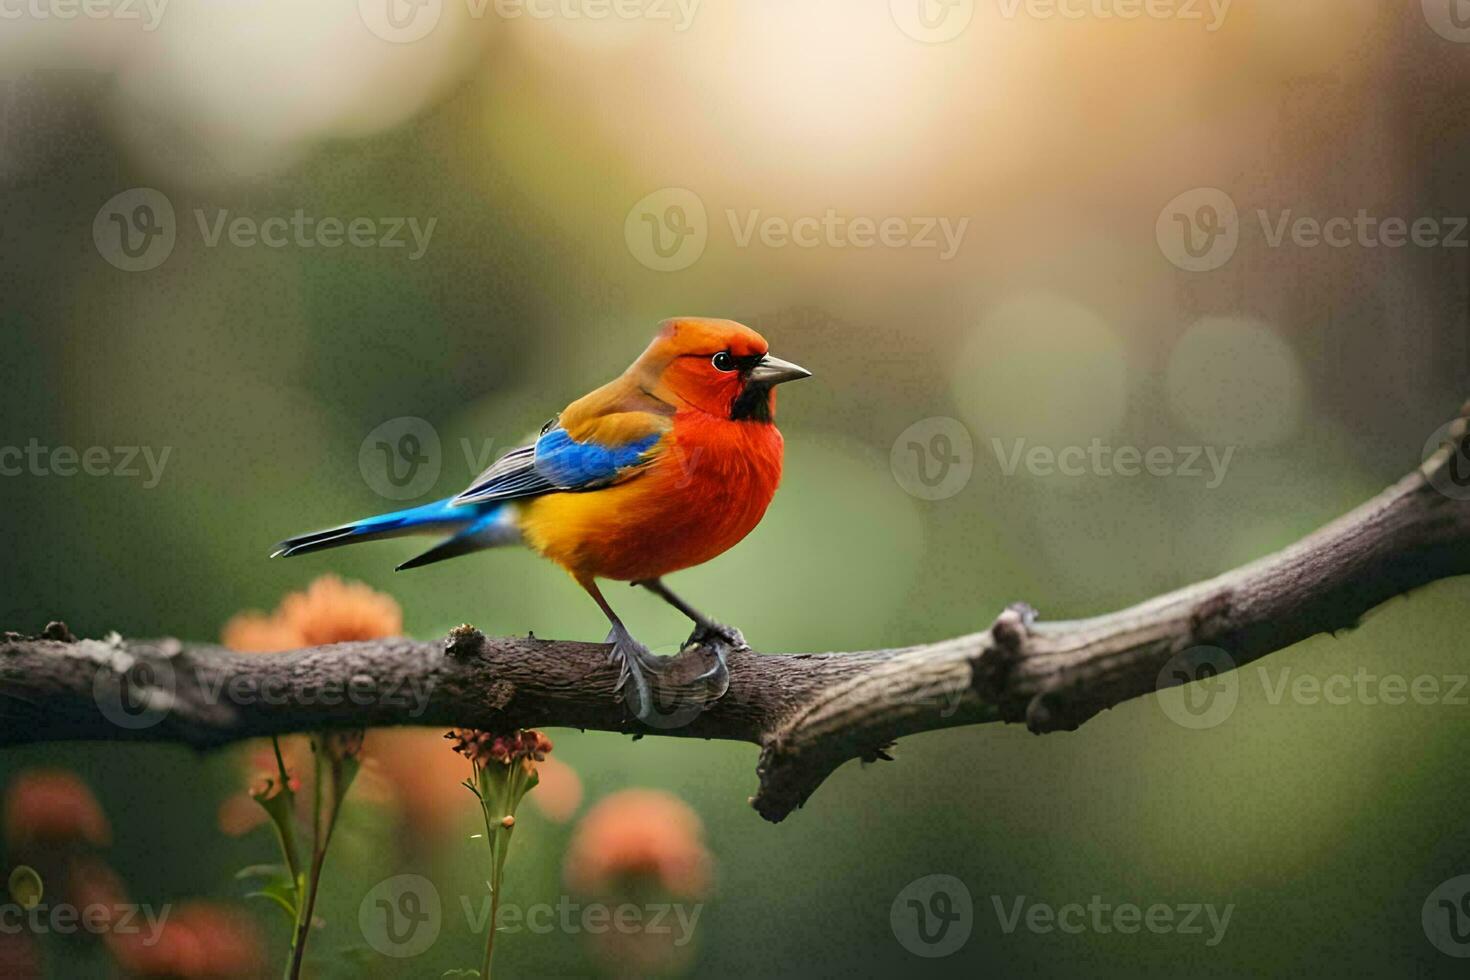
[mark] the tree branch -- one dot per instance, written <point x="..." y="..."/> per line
<point x="809" y="713"/>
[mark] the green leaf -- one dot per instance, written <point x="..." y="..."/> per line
<point x="281" y="808"/>
<point x="25" y="886"/>
<point x="278" y="885"/>
<point x="263" y="871"/>
<point x="282" y="893"/>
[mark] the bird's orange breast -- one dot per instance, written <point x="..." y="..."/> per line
<point x="697" y="500"/>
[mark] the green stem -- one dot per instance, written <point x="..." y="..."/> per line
<point x="490" y="939"/>
<point x="306" y="890"/>
<point x="286" y="835"/>
<point x="495" y="807"/>
<point x="487" y="803"/>
<point x="303" y="925"/>
<point x="321" y="840"/>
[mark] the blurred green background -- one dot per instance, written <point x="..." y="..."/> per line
<point x="1063" y="316"/>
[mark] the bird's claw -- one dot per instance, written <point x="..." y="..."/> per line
<point x="712" y="634"/>
<point x="652" y="688"/>
<point x="634" y="660"/>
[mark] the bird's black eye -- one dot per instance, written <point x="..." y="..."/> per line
<point x="723" y="361"/>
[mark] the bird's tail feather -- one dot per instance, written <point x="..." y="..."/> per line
<point x="424" y="519"/>
<point x="491" y="530"/>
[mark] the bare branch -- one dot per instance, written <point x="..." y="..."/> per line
<point x="809" y="713"/>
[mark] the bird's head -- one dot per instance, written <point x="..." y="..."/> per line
<point x="717" y="366"/>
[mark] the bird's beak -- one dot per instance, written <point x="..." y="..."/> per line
<point x="771" y="370"/>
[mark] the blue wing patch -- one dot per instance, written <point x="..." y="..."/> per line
<point x="583" y="465"/>
<point x="556" y="462"/>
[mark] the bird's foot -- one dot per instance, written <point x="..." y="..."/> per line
<point x="635" y="661"/>
<point x="659" y="691"/>
<point x="717" y="641"/>
<point x="713" y="634"/>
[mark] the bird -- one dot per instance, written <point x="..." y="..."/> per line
<point x="665" y="467"/>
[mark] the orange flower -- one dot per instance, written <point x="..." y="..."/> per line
<point x="255" y="632"/>
<point x="639" y="835"/>
<point x="198" y="940"/>
<point x="408" y="768"/>
<point x="53" y="806"/>
<point x="329" y="611"/>
<point x="631" y="846"/>
<point x="333" y="611"/>
<point x="559" y="792"/>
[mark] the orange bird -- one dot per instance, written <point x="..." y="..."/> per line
<point x="662" y="468"/>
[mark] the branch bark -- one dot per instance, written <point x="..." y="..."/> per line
<point x="809" y="713"/>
